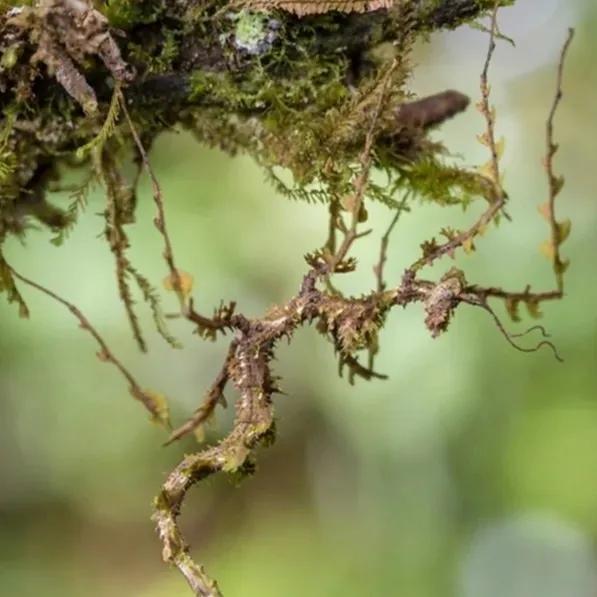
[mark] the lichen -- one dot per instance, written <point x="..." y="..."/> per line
<point x="254" y="32"/>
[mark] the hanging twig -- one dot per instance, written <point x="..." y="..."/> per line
<point x="153" y="402"/>
<point x="495" y="193"/>
<point x="360" y="184"/>
<point x="160" y="219"/>
<point x="558" y="230"/>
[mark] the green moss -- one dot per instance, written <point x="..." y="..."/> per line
<point x="125" y="14"/>
<point x="156" y="56"/>
<point x="444" y="184"/>
<point x="453" y="14"/>
<point x="7" y="4"/>
<point x="10" y="57"/>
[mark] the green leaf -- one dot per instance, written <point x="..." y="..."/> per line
<point x="563" y="230"/>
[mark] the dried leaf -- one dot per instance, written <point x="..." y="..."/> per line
<point x="182" y="282"/>
<point x="469" y="246"/>
<point x="512" y="306"/>
<point x="500" y="146"/>
<point x="483" y="138"/>
<point x="312" y="7"/>
<point x="103" y="356"/>
<point x="545" y="210"/>
<point x="199" y="433"/>
<point x="548" y="249"/>
<point x="157" y="404"/>
<point x="563" y="230"/>
<point x="562" y="266"/>
<point x="533" y="309"/>
<point x="558" y="184"/>
<point x="7" y="285"/>
<point x="487" y="170"/>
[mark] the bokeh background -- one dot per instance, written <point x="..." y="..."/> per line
<point x="472" y="472"/>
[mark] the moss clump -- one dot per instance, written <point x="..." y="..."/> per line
<point x="126" y="14"/>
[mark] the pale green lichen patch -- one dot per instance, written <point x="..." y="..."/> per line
<point x="254" y="32"/>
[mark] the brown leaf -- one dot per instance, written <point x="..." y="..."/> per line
<point x="548" y="249"/>
<point x="533" y="307"/>
<point x="564" y="227"/>
<point x="156" y="404"/>
<point x="312" y="7"/>
<point x="182" y="282"/>
<point x="512" y="306"/>
<point x="468" y="245"/>
<point x="558" y="184"/>
<point x="545" y="210"/>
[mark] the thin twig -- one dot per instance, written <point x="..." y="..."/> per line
<point x="104" y="354"/>
<point x="356" y="369"/>
<point x="360" y="184"/>
<point x="214" y="397"/>
<point x="475" y="301"/>
<point x="485" y="106"/>
<point x="116" y="236"/>
<point x="555" y="187"/>
<point x="534" y="328"/>
<point x="496" y="194"/>
<point x="160" y="219"/>
<point x="523" y="297"/>
<point x="555" y="182"/>
<point x="378" y="269"/>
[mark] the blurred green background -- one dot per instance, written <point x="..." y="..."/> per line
<point x="472" y="472"/>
